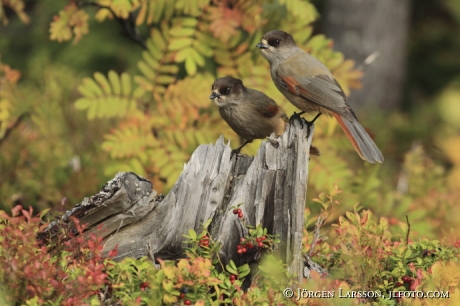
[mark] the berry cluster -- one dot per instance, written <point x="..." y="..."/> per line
<point x="457" y="243"/>
<point x="238" y="212"/>
<point x="183" y="295"/>
<point x="204" y="242"/>
<point x="406" y="280"/>
<point x="249" y="243"/>
<point x="232" y="278"/>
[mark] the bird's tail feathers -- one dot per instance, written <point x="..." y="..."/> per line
<point x="360" y="139"/>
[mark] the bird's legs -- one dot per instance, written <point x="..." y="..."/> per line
<point x="237" y="150"/>
<point x="296" y="116"/>
<point x="310" y="123"/>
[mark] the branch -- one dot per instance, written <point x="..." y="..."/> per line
<point x="408" y="230"/>
<point x="12" y="127"/>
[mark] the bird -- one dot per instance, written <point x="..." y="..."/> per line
<point x="310" y="86"/>
<point x="249" y="112"/>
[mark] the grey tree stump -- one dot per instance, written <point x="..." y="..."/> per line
<point x="272" y="187"/>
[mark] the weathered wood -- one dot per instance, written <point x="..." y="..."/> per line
<point x="272" y="187"/>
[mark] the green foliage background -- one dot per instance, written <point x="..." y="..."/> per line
<point x="99" y="103"/>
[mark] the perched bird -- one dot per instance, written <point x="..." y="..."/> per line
<point x="250" y="113"/>
<point x="310" y="86"/>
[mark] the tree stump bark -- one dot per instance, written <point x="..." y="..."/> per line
<point x="272" y="186"/>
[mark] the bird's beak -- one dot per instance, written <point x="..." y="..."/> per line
<point x="262" y="46"/>
<point x="214" y="95"/>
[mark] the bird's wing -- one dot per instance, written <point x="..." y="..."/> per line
<point x="266" y="106"/>
<point x="304" y="76"/>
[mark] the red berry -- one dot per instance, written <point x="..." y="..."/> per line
<point x="233" y="276"/>
<point x="263" y="237"/>
<point x="406" y="279"/>
<point x="398" y="284"/>
<point x="249" y="245"/>
<point x="240" y="251"/>
<point x="242" y="240"/>
<point x="455" y="245"/>
<point x="182" y="295"/>
<point x="259" y="239"/>
<point x="235" y="211"/>
<point x="239" y="247"/>
<point x="260" y="244"/>
<point x="144" y="286"/>
<point x="240" y="215"/>
<point x="187" y="302"/>
<point x="244" y="250"/>
<point x="238" y="211"/>
<point x="232" y="281"/>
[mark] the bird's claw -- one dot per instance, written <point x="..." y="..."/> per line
<point x="235" y="152"/>
<point x="309" y="124"/>
<point x="296" y="116"/>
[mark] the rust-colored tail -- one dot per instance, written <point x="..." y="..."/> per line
<point x="361" y="141"/>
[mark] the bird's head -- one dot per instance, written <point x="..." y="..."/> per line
<point x="226" y="91"/>
<point x="276" y="45"/>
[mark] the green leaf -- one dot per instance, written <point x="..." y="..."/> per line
<point x="179" y="43"/>
<point x="180" y="32"/>
<point x="190" y="65"/>
<point x="146" y="70"/>
<point x="192" y="234"/>
<point x="101" y="79"/>
<point x="82" y="103"/>
<point x="198" y="59"/>
<point x="181" y="55"/>
<point x="115" y="82"/>
<point x="125" y="84"/>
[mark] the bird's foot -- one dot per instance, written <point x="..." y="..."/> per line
<point x="273" y="142"/>
<point x="310" y="123"/>
<point x="296" y="116"/>
<point x="235" y="152"/>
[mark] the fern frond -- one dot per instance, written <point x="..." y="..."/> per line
<point x="107" y="97"/>
<point x="121" y="8"/>
<point x="153" y="11"/>
<point x="157" y="67"/>
<point x="189" y="48"/>
<point x="71" y="21"/>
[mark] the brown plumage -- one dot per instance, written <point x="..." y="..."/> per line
<point x="310" y="86"/>
<point x="250" y="113"/>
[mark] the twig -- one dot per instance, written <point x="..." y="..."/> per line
<point x="369" y="60"/>
<point x="408" y="230"/>
<point x="310" y="265"/>
<point x="151" y="255"/>
<point x="15" y="125"/>
<point x="317" y="234"/>
<point x="127" y="24"/>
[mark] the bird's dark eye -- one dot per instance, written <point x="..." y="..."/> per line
<point x="274" y="42"/>
<point x="227" y="90"/>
